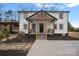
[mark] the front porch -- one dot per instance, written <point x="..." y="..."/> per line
<point x="40" y="28"/>
<point x="41" y="23"/>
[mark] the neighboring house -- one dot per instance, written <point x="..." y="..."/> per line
<point x="42" y="22"/>
<point x="13" y="26"/>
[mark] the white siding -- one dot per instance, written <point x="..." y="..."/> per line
<point x="60" y="21"/>
<point x="55" y="14"/>
<point x="22" y="21"/>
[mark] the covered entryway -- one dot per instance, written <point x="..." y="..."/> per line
<point x="41" y="22"/>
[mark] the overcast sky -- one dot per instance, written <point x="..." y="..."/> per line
<point x="72" y="7"/>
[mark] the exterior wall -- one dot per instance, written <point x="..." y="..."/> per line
<point x="63" y="21"/>
<point x="55" y="14"/>
<point x="22" y="21"/>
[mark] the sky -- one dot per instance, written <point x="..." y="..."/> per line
<point x="72" y="7"/>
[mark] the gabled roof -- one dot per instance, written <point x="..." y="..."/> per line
<point x="41" y="11"/>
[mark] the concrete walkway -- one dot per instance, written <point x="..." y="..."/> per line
<point x="55" y="48"/>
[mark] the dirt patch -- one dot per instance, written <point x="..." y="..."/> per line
<point x="15" y="46"/>
<point x="18" y="46"/>
<point x="74" y="34"/>
<point x="15" y="49"/>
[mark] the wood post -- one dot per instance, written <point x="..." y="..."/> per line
<point x="29" y="27"/>
<point x="46" y="35"/>
<point x="36" y="35"/>
<point x="46" y="32"/>
<point x="36" y="32"/>
<point x="53" y="26"/>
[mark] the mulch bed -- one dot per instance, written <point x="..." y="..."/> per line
<point x="62" y="38"/>
<point x="70" y="36"/>
<point x="13" y="52"/>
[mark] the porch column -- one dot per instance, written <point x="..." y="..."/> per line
<point x="36" y="31"/>
<point x="53" y="26"/>
<point x="46" y="31"/>
<point x="29" y="27"/>
<point x="37" y="27"/>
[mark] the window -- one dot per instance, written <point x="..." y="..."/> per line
<point x="25" y="26"/>
<point x="60" y="26"/>
<point x="61" y="15"/>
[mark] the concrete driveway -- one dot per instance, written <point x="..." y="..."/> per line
<point x="55" y="48"/>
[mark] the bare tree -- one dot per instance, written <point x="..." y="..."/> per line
<point x="1" y="11"/>
<point x="9" y="15"/>
<point x="6" y="16"/>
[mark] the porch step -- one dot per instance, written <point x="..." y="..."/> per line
<point x="42" y="37"/>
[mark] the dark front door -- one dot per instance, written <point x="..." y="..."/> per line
<point x="41" y="27"/>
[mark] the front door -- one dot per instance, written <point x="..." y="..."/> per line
<point x="41" y="27"/>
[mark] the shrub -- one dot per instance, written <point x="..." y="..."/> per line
<point x="4" y="33"/>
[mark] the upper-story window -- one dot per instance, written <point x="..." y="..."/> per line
<point x="61" y="15"/>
